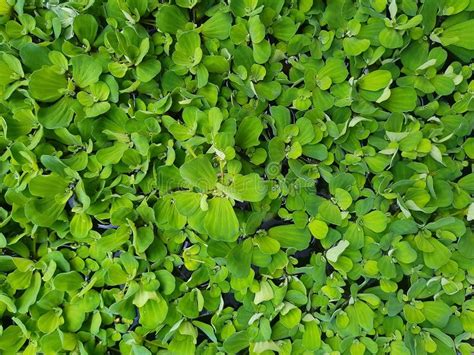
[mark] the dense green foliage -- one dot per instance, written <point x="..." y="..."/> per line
<point x="236" y="176"/>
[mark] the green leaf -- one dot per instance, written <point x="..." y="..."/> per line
<point x="167" y="215"/>
<point x="29" y="297"/>
<point x="170" y="19"/>
<point x="206" y="329"/>
<point x="469" y="147"/>
<point x="246" y="188"/>
<point x="284" y="28"/>
<point x="343" y="198"/>
<point x="48" y="185"/>
<point x="265" y="292"/>
<point x="256" y="29"/>
<point x="405" y="253"/>
<point x="144" y="238"/>
<point x="68" y="281"/>
<point x="49" y="321"/>
<point x="318" y="229"/>
<point x="443" y="85"/>
<point x="34" y="56"/>
<point x="236" y="342"/>
<point x="437" y="313"/>
<point x="220" y="220"/>
<point x="365" y="315"/>
<point x="403" y="227"/>
<point x="113" y="241"/>
<point x="401" y="100"/>
<point x="376" y="80"/>
<point x="267" y="245"/>
<point x="413" y="314"/>
<point x="467" y="183"/>
<point x="438" y="256"/>
<point x="165" y="166"/>
<point x="446" y="339"/>
<point x="376" y="221"/>
<point x="311" y="336"/>
<point x="330" y="213"/>
<point x="262" y="52"/>
<point x="199" y="172"/>
<point x="459" y="34"/>
<point x="249" y="132"/>
<point x="191" y="304"/>
<point x="8" y="303"/>
<point x="189" y="4"/>
<point x="85" y="27"/>
<point x="153" y="312"/>
<point x="58" y="115"/>
<point x="334" y="253"/>
<point x="218" y="26"/>
<point x="85" y="70"/>
<point x="354" y="47"/>
<point x="187" y="202"/>
<point x="148" y="69"/>
<point x="268" y="90"/>
<point x="12" y="338"/>
<point x="111" y="155"/>
<point x="167" y="282"/>
<point x="43" y="211"/>
<point x="390" y="38"/>
<point x="81" y="225"/>
<point x="188" y="52"/>
<point x="239" y="259"/>
<point x="47" y="85"/>
<point x="291" y="236"/>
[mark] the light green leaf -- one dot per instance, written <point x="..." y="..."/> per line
<point x="376" y="221"/>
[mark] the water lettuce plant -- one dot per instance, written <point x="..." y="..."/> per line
<point x="236" y="177"/>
